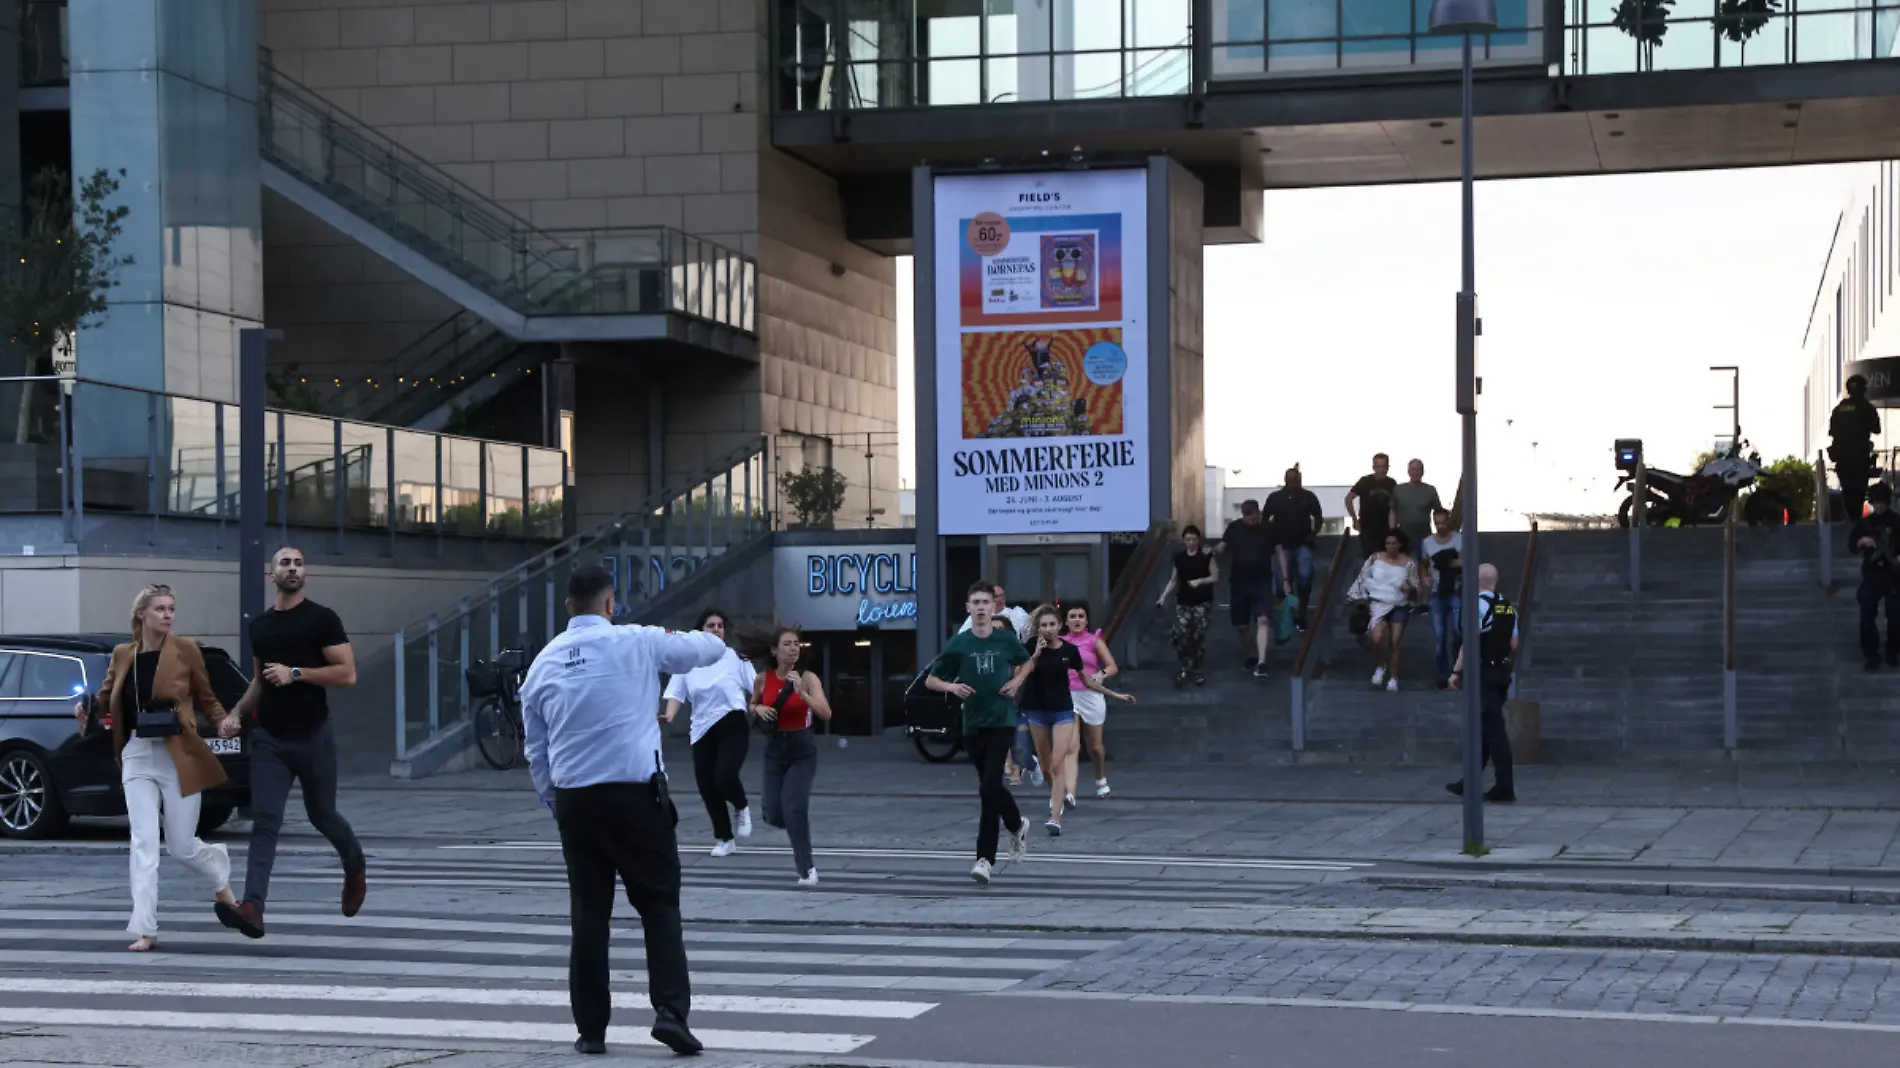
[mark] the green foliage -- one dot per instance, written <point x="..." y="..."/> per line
<point x="1645" y="20"/>
<point x="814" y="494"/>
<point x="289" y="390"/>
<point x="60" y="261"/>
<point x="1742" y="19"/>
<point x="1791" y="479"/>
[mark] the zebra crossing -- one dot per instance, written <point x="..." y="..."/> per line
<point x="532" y="866"/>
<point x="489" y="978"/>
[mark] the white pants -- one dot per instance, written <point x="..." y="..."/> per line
<point x="151" y="789"/>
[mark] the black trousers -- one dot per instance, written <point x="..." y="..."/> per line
<point x="1853" y="480"/>
<point x="1876" y="590"/>
<point x="791" y="764"/>
<point x="989" y="748"/>
<point x="717" y="758"/>
<point x="276" y="762"/>
<point x="1497" y="741"/>
<point x="621" y="829"/>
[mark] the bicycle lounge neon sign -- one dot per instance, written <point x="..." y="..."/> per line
<point x="884" y="574"/>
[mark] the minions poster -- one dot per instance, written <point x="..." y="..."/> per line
<point x="1041" y="363"/>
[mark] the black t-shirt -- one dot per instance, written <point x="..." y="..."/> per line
<point x="296" y="638"/>
<point x="144" y="671"/>
<point x="1189" y="569"/>
<point x="1293" y="515"/>
<point x="1374" y="496"/>
<point x="1249" y="549"/>
<point x="1047" y="687"/>
<point x="1884" y="528"/>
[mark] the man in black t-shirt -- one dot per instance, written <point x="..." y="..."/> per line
<point x="1247" y="546"/>
<point x="1294" y="517"/>
<point x="1374" y="513"/>
<point x="300" y="649"/>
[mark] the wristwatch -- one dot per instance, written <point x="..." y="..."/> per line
<point x="296" y="674"/>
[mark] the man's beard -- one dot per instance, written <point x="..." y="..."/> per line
<point x="289" y="583"/>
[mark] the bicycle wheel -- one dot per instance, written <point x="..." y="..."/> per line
<point x="497" y="734"/>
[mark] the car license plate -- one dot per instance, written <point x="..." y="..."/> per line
<point x="225" y="746"/>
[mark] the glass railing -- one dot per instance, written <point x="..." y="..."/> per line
<point x="1254" y="38"/>
<point x="650" y="550"/>
<point x="837" y="481"/>
<point x="43" y="43"/>
<point x="1625" y="36"/>
<point x="79" y="448"/>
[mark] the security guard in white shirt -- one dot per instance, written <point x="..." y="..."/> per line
<point x="589" y="714"/>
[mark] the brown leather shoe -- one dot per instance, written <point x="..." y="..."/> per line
<point x="354" y="888"/>
<point x="242" y="917"/>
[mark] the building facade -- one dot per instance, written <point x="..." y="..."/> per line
<point x="1854" y="326"/>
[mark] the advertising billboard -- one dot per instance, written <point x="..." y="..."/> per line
<point x="1042" y="352"/>
<point x="830" y="588"/>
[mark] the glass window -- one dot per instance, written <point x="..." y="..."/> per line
<point x="10" y="675"/>
<point x="415" y="481"/>
<point x="461" y="486"/>
<point x="505" y="488"/>
<point x="44" y="677"/>
<point x="1071" y="576"/>
<point x="310" y="469"/>
<point x="112" y="431"/>
<point x="365" y="475"/>
<point x="545" y="494"/>
<point x="191" y="465"/>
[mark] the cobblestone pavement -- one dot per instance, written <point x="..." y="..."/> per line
<point x="1650" y="982"/>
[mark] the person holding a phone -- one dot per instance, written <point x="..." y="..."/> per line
<point x="155" y="687"/>
<point x="1049" y="708"/>
<point x="785" y="700"/>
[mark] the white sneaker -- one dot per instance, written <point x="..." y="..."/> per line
<point x="1101" y="788"/>
<point x="810" y="879"/>
<point x="1018" y="843"/>
<point x="1391" y="686"/>
<point x="981" y="873"/>
<point x="742" y="824"/>
<point x="1378" y="677"/>
<point x="725" y="847"/>
<point x="1035" y="777"/>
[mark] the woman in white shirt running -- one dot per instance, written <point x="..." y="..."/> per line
<point x="1389" y="583"/>
<point x="719" y="695"/>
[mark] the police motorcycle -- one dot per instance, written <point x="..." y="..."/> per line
<point x="1702" y="498"/>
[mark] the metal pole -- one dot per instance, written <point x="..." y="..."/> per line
<point x="1639" y="515"/>
<point x="1731" y="729"/>
<point x="1822" y="514"/>
<point x="1473" y="676"/>
<point x="71" y="530"/>
<point x="252" y="346"/>
<point x="402" y="697"/>
<point x="1299" y="711"/>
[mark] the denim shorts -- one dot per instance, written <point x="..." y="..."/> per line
<point x="1036" y="717"/>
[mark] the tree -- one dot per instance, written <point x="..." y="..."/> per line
<point x="60" y="266"/>
<point x="815" y="494"/>
<point x="289" y="389"/>
<point x="1790" y="482"/>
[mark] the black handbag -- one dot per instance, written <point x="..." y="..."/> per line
<point x="157" y="718"/>
<point x="769" y="727"/>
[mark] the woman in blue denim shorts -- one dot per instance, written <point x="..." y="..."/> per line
<point x="1046" y="704"/>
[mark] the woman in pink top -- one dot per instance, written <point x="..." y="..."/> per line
<point x="1090" y="709"/>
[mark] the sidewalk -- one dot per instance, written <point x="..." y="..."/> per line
<point x="878" y="793"/>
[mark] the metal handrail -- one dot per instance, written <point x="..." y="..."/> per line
<point x="1135" y="576"/>
<point x="1318" y="623"/>
<point x="654" y="504"/>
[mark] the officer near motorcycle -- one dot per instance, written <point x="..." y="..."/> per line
<point x="1876" y="536"/>
<point x="1851" y="429"/>
<point x="1497" y="643"/>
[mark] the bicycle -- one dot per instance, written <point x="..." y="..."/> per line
<point x="495" y="686"/>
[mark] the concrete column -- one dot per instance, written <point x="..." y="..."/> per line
<point x="166" y="90"/>
<point x="10" y="179"/>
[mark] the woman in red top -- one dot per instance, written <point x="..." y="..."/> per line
<point x="788" y="698"/>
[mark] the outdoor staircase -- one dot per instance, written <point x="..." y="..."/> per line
<point x="518" y="283"/>
<point x="664" y="552"/>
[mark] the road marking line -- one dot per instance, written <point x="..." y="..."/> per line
<point x="1251" y="863"/>
<point x="453" y="995"/>
<point x="465" y="947"/>
<point x="513" y="972"/>
<point x="693" y="933"/>
<point x="485" y="1030"/>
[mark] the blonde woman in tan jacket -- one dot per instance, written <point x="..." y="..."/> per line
<point x="154" y="687"/>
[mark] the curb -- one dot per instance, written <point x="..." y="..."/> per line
<point x="1843" y="895"/>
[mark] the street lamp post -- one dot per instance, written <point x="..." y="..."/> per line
<point x="1468" y="18"/>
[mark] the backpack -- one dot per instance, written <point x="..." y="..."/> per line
<point x="1497" y="627"/>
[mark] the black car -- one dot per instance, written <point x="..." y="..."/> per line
<point x="51" y="770"/>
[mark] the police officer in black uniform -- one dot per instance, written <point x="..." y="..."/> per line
<point x="1497" y="628"/>
<point x="1851" y="431"/>
<point x="1876" y="536"/>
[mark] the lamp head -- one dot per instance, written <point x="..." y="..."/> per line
<point x="1463" y="16"/>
